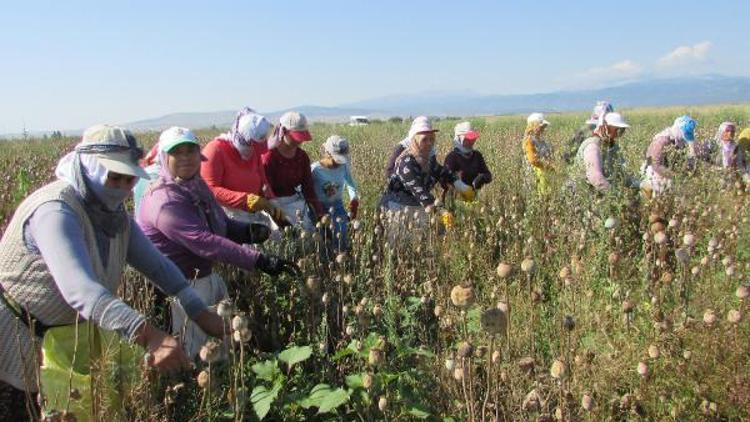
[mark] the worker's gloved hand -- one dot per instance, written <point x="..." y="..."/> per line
<point x="447" y="218"/>
<point x="480" y="181"/>
<point x="353" y="207"/>
<point x="257" y="203"/>
<point x="469" y="195"/>
<point x="274" y="266"/>
<point x="258" y="233"/>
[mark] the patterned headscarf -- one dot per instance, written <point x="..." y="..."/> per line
<point x="248" y="127"/>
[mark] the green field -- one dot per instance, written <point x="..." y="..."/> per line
<point x="377" y="336"/>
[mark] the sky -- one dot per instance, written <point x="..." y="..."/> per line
<point x="72" y="64"/>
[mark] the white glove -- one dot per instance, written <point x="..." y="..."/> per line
<point x="461" y="186"/>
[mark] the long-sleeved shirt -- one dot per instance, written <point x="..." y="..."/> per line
<point x="410" y="185"/>
<point x="538" y="152"/>
<point x="390" y="166"/>
<point x="330" y="182"/>
<point x="467" y="166"/>
<point x="182" y="230"/>
<point x="231" y="178"/>
<point x="600" y="164"/>
<point x="286" y="174"/>
<point x="55" y="232"/>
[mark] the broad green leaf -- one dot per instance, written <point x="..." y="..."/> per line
<point x="333" y="399"/>
<point x="295" y="354"/>
<point x="266" y="370"/>
<point x="316" y="396"/>
<point x="349" y="350"/>
<point x="262" y="398"/>
<point x="419" y="412"/>
<point x="324" y="398"/>
<point x="354" y="381"/>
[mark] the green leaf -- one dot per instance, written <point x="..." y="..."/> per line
<point x="419" y="412"/>
<point x="324" y="398"/>
<point x="333" y="399"/>
<point x="354" y="381"/>
<point x="262" y="398"/>
<point x="295" y="354"/>
<point x="473" y="318"/>
<point x="349" y="350"/>
<point x="267" y="370"/>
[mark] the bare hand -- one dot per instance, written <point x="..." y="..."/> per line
<point x="212" y="324"/>
<point x="164" y="352"/>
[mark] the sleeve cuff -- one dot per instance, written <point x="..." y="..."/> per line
<point x="190" y="302"/>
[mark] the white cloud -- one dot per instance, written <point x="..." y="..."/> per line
<point x="626" y="69"/>
<point x="686" y="55"/>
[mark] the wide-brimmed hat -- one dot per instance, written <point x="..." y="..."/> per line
<point x="601" y="108"/>
<point x="615" y="120"/>
<point x="537" y="118"/>
<point x="115" y="148"/>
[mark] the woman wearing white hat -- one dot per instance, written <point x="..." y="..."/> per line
<point x="538" y="152"/>
<point x="416" y="173"/>
<point x="61" y="261"/>
<point x="598" y="161"/>
<point x="587" y="130"/>
<point x="465" y="161"/>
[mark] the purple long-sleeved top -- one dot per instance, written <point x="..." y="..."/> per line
<point x="193" y="233"/>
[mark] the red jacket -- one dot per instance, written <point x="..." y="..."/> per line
<point x="231" y="178"/>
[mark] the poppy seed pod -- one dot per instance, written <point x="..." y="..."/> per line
<point x="557" y="370"/>
<point x="528" y="265"/>
<point x="203" y="379"/>
<point x="462" y="297"/>
<point x="210" y="352"/>
<point x="465" y="350"/>
<point x="742" y="292"/>
<point x="239" y="322"/>
<point x="504" y="270"/>
<point x="494" y="321"/>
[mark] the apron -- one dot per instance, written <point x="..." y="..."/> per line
<point x="96" y="365"/>
<point x="292" y="206"/>
<point x="212" y="290"/>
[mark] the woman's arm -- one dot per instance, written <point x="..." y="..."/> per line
<point x="57" y="233"/>
<point x="593" y="162"/>
<point x="191" y="231"/>
<point x="161" y="271"/>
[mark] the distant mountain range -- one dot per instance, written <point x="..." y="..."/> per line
<point x="697" y="90"/>
<point x="707" y="89"/>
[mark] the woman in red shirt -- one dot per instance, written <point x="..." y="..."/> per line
<point x="287" y="167"/>
<point x="234" y="172"/>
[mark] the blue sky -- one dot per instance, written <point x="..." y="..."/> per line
<point x="67" y="65"/>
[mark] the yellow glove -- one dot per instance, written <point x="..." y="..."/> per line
<point x="469" y="195"/>
<point x="447" y="219"/>
<point x="256" y="203"/>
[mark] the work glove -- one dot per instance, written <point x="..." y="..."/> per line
<point x="448" y="220"/>
<point x="258" y="233"/>
<point x="274" y="266"/>
<point x="466" y="191"/>
<point x="257" y="203"/>
<point x="353" y="207"/>
<point x="480" y="180"/>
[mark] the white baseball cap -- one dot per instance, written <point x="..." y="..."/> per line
<point x="537" y="118"/>
<point x="338" y="148"/>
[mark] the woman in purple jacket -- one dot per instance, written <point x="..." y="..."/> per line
<point x="182" y="218"/>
